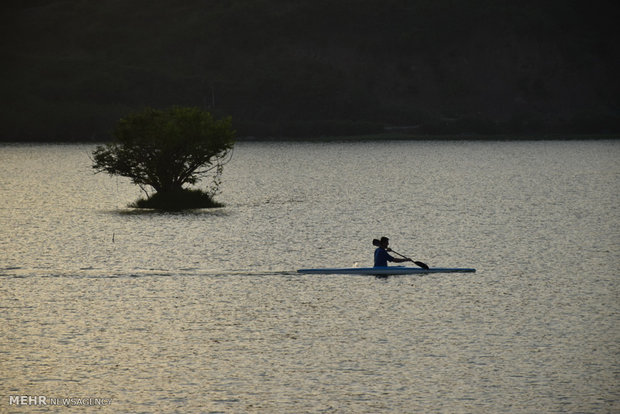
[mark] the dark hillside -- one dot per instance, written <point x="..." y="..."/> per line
<point x="312" y="67"/>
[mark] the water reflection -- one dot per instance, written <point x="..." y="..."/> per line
<point x="202" y="311"/>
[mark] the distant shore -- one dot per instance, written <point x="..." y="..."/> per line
<point x="446" y="137"/>
<point x="393" y="136"/>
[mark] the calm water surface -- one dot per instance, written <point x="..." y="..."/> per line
<point x="203" y="311"/>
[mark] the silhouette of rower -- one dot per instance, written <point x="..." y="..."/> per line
<point x="382" y="257"/>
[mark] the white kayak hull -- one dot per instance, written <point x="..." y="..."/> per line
<point x="388" y="270"/>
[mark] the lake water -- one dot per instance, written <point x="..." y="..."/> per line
<point x="203" y="311"/>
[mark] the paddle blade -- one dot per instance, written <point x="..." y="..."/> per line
<point x="422" y="265"/>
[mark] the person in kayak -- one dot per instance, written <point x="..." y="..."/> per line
<point x="382" y="257"/>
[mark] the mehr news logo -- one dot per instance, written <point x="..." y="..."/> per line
<point x="42" y="400"/>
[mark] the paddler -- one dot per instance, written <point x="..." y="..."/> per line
<point x="382" y="257"/>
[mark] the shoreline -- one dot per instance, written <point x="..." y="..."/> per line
<point x="378" y="137"/>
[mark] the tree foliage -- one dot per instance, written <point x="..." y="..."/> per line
<point x="168" y="150"/>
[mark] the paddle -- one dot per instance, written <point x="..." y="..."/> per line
<point x="376" y="242"/>
<point x="421" y="264"/>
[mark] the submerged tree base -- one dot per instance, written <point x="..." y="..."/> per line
<point x="178" y="200"/>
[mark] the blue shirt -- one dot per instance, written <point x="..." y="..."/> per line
<point x="382" y="257"/>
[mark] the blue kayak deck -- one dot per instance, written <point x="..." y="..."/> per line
<point x="388" y="270"/>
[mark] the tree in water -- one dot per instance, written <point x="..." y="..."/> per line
<point x="168" y="150"/>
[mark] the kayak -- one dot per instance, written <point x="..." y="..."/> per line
<point x="385" y="270"/>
